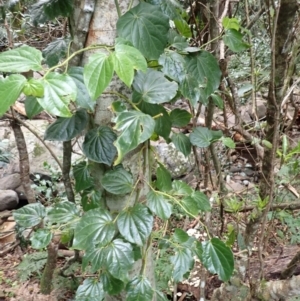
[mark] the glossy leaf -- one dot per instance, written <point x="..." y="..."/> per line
<point x="227" y="141"/>
<point x="92" y="199"/>
<point x="201" y="200"/>
<point x="111" y="285"/>
<point x="230" y="23"/>
<point x="203" y="137"/>
<point x="164" y="180"/>
<point x="59" y="91"/>
<point x="83" y="98"/>
<point x="30" y="215"/>
<point x="135" y="224"/>
<point x="98" y="145"/>
<point x="180" y="188"/>
<point x="180" y="236"/>
<point x="182" y="143"/>
<point x="55" y="51"/>
<point x="159" y="204"/>
<point x="218" y="101"/>
<point x="170" y="8"/>
<point x="190" y="205"/>
<point x="10" y="89"/>
<point x="136" y="127"/>
<point x="32" y="107"/>
<point x="21" y="59"/>
<point x="65" y="129"/>
<point x="55" y="8"/>
<point x="96" y="256"/>
<point x="117" y="181"/>
<point x="180" y="118"/>
<point x="182" y="261"/>
<point x="126" y="59"/>
<point x="90" y="290"/>
<point x="218" y="258"/>
<point x="173" y="65"/>
<point x="190" y="89"/>
<point x="98" y="73"/>
<point x="63" y="212"/>
<point x="146" y="28"/>
<point x="234" y="40"/>
<point x="139" y="289"/>
<point x="183" y="28"/>
<point x="40" y="238"/>
<point x="153" y="87"/>
<point x="96" y="226"/>
<point x="82" y="176"/>
<point x="33" y="87"/>
<point x="205" y="69"/>
<point x="37" y="13"/>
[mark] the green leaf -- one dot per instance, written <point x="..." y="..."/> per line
<point x="56" y="8"/>
<point x="59" y="91"/>
<point x="218" y="101"/>
<point x="146" y="28"/>
<point x="62" y="212"/>
<point x="90" y="290"/>
<point x="231" y="23"/>
<point x="173" y="65"/>
<point x="10" y="89"/>
<point x="160" y="296"/>
<point x="135" y="224"/>
<point x="98" y="145"/>
<point x="126" y="59"/>
<point x="182" y="261"/>
<point x="32" y="107"/>
<point x="98" y="73"/>
<point x="153" y="87"/>
<point x="204" y="67"/>
<point x="203" y="137"/>
<point x="180" y="118"/>
<point x="82" y="176"/>
<point x="164" y="179"/>
<point x="136" y="128"/>
<point x="40" y="238"/>
<point x="159" y="204"/>
<point x="170" y="8"/>
<point x="37" y="13"/>
<point x="96" y="226"/>
<point x="182" y="143"/>
<point x="139" y="289"/>
<point x="183" y="27"/>
<point x="201" y="200"/>
<point x="65" y="129"/>
<point x="96" y="255"/>
<point x="180" y="188"/>
<point x="119" y="258"/>
<point x="91" y="199"/>
<point x="227" y="141"/>
<point x="218" y="258"/>
<point x="111" y="285"/>
<point x="21" y="59"/>
<point x="55" y="51"/>
<point x="83" y="98"/>
<point x="190" y="205"/>
<point x="190" y="89"/>
<point x="177" y="41"/>
<point x="234" y="40"/>
<point x="180" y="236"/>
<point x="30" y="215"/>
<point x="33" y="87"/>
<point x="117" y="181"/>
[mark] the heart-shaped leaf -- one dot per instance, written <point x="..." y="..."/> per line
<point x="33" y="87"/>
<point x="62" y="212"/>
<point x="40" y="238"/>
<point x="135" y="223"/>
<point x="30" y="215"/>
<point x="98" y="73"/>
<point x="159" y="204"/>
<point x="153" y="87"/>
<point x="164" y="179"/>
<point x="55" y="51"/>
<point x="218" y="258"/>
<point x="21" y="59"/>
<point x="201" y="200"/>
<point x="136" y="128"/>
<point x="82" y="176"/>
<point x="182" y="261"/>
<point x="170" y="8"/>
<point x="182" y="143"/>
<point x="234" y="40"/>
<point x="117" y="181"/>
<point x="180" y="117"/>
<point x="98" y="145"/>
<point x="180" y="188"/>
<point x="32" y="107"/>
<point x="96" y="226"/>
<point x="202" y="137"/>
<point x="10" y="89"/>
<point x="65" y="129"/>
<point x="90" y="290"/>
<point x="146" y="28"/>
<point x="139" y="289"/>
<point x="59" y="91"/>
<point x="111" y="285"/>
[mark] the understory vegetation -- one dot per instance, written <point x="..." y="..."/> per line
<point x="218" y="81"/>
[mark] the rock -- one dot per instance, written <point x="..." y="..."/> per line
<point x="8" y="200"/>
<point x="10" y="182"/>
